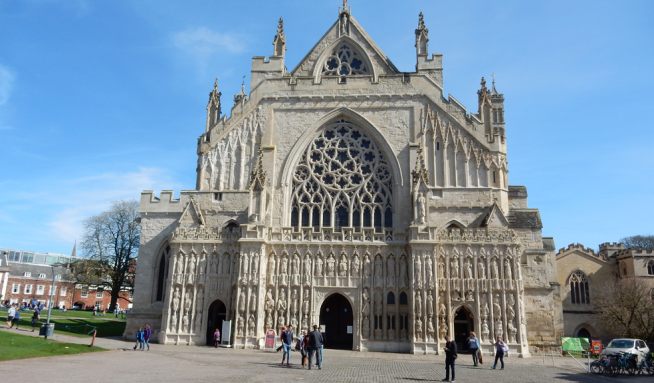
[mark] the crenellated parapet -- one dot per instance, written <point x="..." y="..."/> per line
<point x="579" y="247"/>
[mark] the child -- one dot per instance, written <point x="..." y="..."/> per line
<point x="216" y="338"/>
<point x="139" y="339"/>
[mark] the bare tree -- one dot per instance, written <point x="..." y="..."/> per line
<point x="111" y="244"/>
<point x="627" y="308"/>
<point x="645" y="242"/>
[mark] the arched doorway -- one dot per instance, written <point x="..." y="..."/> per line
<point x="217" y="314"/>
<point x="583" y="333"/>
<point x="336" y="316"/>
<point x="463" y="324"/>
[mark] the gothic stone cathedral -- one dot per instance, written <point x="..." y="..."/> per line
<point x="349" y="194"/>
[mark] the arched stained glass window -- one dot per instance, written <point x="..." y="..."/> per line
<point x="343" y="179"/>
<point x="579" y="293"/>
<point x="345" y="61"/>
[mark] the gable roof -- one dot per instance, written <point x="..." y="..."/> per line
<point x="354" y="33"/>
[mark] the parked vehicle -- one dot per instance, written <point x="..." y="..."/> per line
<point x="627" y="345"/>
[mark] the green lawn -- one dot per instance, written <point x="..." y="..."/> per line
<point x="71" y="322"/>
<point x="16" y="346"/>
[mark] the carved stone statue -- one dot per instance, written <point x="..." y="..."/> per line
<point x="305" y="304"/>
<point x="485" y="332"/>
<point x="254" y="269"/>
<point x="497" y="310"/>
<point x="442" y="311"/>
<point x="390" y="272"/>
<point x="295" y="269"/>
<point x="271" y="269"/>
<point x="188" y="299"/>
<point x="470" y="296"/>
<point x="442" y="329"/>
<point x="507" y="270"/>
<point x="270" y="302"/>
<point x="245" y="265"/>
<point x="185" y="323"/>
<point x="365" y="301"/>
<point x="510" y="313"/>
<point x="283" y="270"/>
<point x="421" y="209"/>
<point x="295" y="302"/>
<point x="417" y="268"/>
<point x="319" y="266"/>
<point x="342" y="266"/>
<point x="331" y="266"/>
<point x="468" y="270"/>
<point x="495" y="274"/>
<point x="307" y="269"/>
<point x="454" y="267"/>
<point x="481" y="269"/>
<point x="429" y="270"/>
<point x="240" y="326"/>
<point x="356" y="266"/>
<point x="441" y="269"/>
<point x="176" y="299"/>
<point x="241" y="302"/>
<point x="251" y="326"/>
<point x="430" y="328"/>
<point x="418" y="304"/>
<point x="418" y="328"/>
<point x="379" y="271"/>
<point x="281" y="302"/>
<point x="430" y="304"/>
<point x="511" y="329"/>
<point x="366" y="266"/>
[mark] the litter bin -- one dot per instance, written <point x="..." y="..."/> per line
<point x="47" y="329"/>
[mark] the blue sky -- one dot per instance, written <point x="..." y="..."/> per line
<point x="102" y="99"/>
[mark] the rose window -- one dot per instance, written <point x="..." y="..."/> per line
<point x="345" y="61"/>
<point x="342" y="180"/>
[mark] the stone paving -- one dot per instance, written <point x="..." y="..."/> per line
<point x="204" y="364"/>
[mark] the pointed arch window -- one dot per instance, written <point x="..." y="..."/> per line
<point x="579" y="293"/>
<point x="342" y="180"/>
<point x="345" y="60"/>
<point x="650" y="268"/>
<point x="162" y="271"/>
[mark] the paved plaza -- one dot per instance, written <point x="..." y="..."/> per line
<point x="205" y="364"/>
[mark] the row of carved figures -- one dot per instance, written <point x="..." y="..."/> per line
<point x="186" y="307"/>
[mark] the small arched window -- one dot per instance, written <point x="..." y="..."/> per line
<point x="390" y="298"/>
<point x="161" y="274"/>
<point x="579" y="293"/>
<point x="403" y="298"/>
<point x="650" y="268"/>
<point x="345" y="61"/>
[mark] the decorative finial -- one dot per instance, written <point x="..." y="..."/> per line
<point x="243" y="85"/>
<point x="493" y="90"/>
<point x="345" y="8"/>
<point x="280" y="25"/>
<point x="421" y="20"/>
<point x="422" y="36"/>
<point x="279" y="42"/>
<point x="215" y="85"/>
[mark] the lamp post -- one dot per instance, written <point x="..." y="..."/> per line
<point x="52" y="287"/>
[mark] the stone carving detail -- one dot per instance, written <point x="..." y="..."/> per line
<point x="307" y="270"/>
<point x="175" y="308"/>
<point x="495" y="274"/>
<point x="269" y="309"/>
<point x="430" y="304"/>
<point x="365" y="311"/>
<point x="240" y="326"/>
<point x="283" y="271"/>
<point x="379" y="271"/>
<point x="281" y="307"/>
<point x="467" y="271"/>
<point x="331" y="266"/>
<point x="429" y="270"/>
<point x="454" y="268"/>
<point x="421" y="209"/>
<point x="507" y="270"/>
<point x="390" y="271"/>
<point x="417" y="275"/>
<point x="366" y="266"/>
<point x="252" y="323"/>
<point x="356" y="266"/>
<point x="295" y="269"/>
<point x="481" y="269"/>
<point x="418" y="302"/>
<point x="271" y="269"/>
<point x="319" y="266"/>
<point x="241" y="302"/>
<point x="418" y="328"/>
<point x="342" y="266"/>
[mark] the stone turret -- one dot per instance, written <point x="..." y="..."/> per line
<point x="432" y="66"/>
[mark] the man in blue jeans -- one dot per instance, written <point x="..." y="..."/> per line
<point x="450" y="357"/>
<point x="287" y="342"/>
<point x="315" y="346"/>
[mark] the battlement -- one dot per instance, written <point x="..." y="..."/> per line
<point x="576" y="246"/>
<point x="165" y="202"/>
<point x="633" y="253"/>
<point x="611" y="245"/>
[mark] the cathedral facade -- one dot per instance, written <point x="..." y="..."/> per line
<point x="348" y="194"/>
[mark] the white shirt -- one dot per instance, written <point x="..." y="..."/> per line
<point x="12" y="312"/>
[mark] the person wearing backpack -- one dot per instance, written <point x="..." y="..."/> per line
<point x="473" y="346"/>
<point x="500" y="349"/>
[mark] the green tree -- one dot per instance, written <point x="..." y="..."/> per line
<point x="111" y="243"/>
<point x="645" y="242"/>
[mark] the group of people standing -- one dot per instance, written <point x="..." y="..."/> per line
<point x="143" y="335"/>
<point x="309" y="343"/>
<point x="501" y="349"/>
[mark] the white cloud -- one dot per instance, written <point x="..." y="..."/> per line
<point x="7" y="78"/>
<point x="204" y="42"/>
<point x="88" y="196"/>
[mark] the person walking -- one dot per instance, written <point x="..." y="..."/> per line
<point x="315" y="343"/>
<point x="10" y="315"/>
<point x="139" y="339"/>
<point x="287" y="345"/>
<point x="306" y="341"/>
<point x="16" y="319"/>
<point x="147" y="333"/>
<point x="216" y="338"/>
<point x="35" y="318"/>
<point x="500" y="349"/>
<point x="450" y="357"/>
<point x="473" y="346"/>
